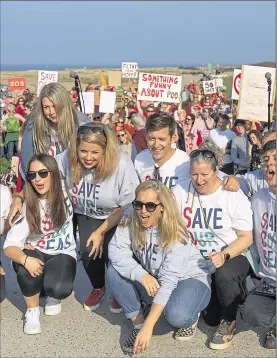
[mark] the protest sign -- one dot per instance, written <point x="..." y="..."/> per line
<point x="119" y="98"/>
<point x="45" y="77"/>
<point x="218" y="82"/>
<point x="107" y="102"/>
<point x="114" y="78"/>
<point x="88" y="101"/>
<point x="17" y="84"/>
<point x="158" y="87"/>
<point x="96" y="97"/>
<point x="129" y="70"/>
<point x="253" y="97"/>
<point x="236" y="84"/>
<point x="209" y="87"/>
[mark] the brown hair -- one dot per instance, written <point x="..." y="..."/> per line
<point x="55" y="196"/>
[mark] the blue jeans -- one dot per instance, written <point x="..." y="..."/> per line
<point x="12" y="149"/>
<point x="189" y="298"/>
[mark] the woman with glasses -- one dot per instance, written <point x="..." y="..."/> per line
<point x="19" y="107"/>
<point x="154" y="261"/>
<point x="101" y="182"/>
<point x="46" y="226"/>
<point x="187" y="126"/>
<point x="125" y="142"/>
<point x="220" y="225"/>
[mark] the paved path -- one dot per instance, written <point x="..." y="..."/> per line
<point x="78" y="333"/>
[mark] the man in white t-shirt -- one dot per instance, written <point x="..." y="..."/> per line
<point x="222" y="137"/>
<point x="161" y="161"/>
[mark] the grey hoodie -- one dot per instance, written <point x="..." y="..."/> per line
<point x="99" y="199"/>
<point x="240" y="152"/>
<point x="252" y="181"/>
<point x="169" y="266"/>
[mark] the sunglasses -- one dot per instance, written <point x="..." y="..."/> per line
<point x="42" y="173"/>
<point x="121" y="135"/>
<point x="150" y="207"/>
<point x="150" y="111"/>
<point x="205" y="152"/>
<point x="120" y="122"/>
<point x="94" y="129"/>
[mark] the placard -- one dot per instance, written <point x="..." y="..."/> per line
<point x="253" y="98"/>
<point x="17" y="84"/>
<point x="158" y="87"/>
<point x="96" y="97"/>
<point x="45" y="77"/>
<point x="129" y="70"/>
<point x="218" y="82"/>
<point x="107" y="102"/>
<point x="114" y="78"/>
<point x="209" y="87"/>
<point x="88" y="101"/>
<point x="236" y="84"/>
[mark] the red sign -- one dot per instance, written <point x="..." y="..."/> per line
<point x="17" y="84"/>
<point x="237" y="83"/>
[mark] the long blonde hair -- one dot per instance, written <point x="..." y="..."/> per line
<point x="110" y="160"/>
<point x="67" y="118"/>
<point x="171" y="225"/>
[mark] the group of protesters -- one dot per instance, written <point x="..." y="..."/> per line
<point x="174" y="205"/>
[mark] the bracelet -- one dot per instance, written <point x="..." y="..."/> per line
<point x="25" y="260"/>
<point x="20" y="197"/>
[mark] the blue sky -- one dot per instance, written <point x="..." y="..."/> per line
<point x="156" y="33"/>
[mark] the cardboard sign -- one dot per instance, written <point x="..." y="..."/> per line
<point x="158" y="87"/>
<point x="114" y="78"/>
<point x="236" y="84"/>
<point x="253" y="98"/>
<point x="107" y="102"/>
<point x="17" y="84"/>
<point x="129" y="70"/>
<point x="119" y="99"/>
<point x="45" y="77"/>
<point x="209" y="87"/>
<point x="96" y="97"/>
<point x="88" y="101"/>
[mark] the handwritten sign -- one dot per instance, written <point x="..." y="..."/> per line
<point x="253" y="98"/>
<point x="209" y="87"/>
<point x="236" y="84"/>
<point x="218" y="82"/>
<point x="158" y="87"/>
<point x="129" y="70"/>
<point x="45" y="77"/>
<point x="17" y="84"/>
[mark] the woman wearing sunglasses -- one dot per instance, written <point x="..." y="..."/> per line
<point x="46" y="225"/>
<point x="154" y="261"/>
<point x="101" y="182"/>
<point x="220" y="225"/>
<point x="125" y="142"/>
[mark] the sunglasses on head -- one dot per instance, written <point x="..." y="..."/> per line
<point x="42" y="173"/>
<point x="150" y="207"/>
<point x="205" y="152"/>
<point x="94" y="129"/>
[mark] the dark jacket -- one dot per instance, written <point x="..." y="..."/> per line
<point x="27" y="146"/>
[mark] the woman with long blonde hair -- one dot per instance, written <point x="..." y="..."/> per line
<point x="153" y="260"/>
<point x="101" y="182"/>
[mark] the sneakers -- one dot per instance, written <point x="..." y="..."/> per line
<point x="223" y="336"/>
<point x="94" y="299"/>
<point x="52" y="306"/>
<point x="129" y="344"/>
<point x="185" y="334"/>
<point x="115" y="306"/>
<point x="270" y="339"/>
<point x="31" y="321"/>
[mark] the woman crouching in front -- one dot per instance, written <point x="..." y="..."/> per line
<point x="46" y="225"/>
<point x="152" y="260"/>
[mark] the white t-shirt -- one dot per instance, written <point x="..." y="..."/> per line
<point x="51" y="242"/>
<point x="6" y="201"/>
<point x="264" y="211"/>
<point x="225" y="213"/>
<point x="172" y="172"/>
<point x="221" y="139"/>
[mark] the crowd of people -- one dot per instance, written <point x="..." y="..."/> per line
<point x="172" y="204"/>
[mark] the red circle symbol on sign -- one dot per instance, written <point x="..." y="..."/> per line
<point x="237" y="83"/>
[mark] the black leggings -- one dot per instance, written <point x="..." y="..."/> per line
<point x="57" y="278"/>
<point x="95" y="269"/>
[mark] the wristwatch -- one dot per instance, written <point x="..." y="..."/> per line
<point x="227" y="257"/>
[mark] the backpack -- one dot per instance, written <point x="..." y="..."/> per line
<point x="12" y="124"/>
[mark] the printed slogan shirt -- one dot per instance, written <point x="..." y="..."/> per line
<point x="172" y="172"/>
<point x="98" y="200"/>
<point x="264" y="210"/>
<point x="51" y="241"/>
<point x="212" y="220"/>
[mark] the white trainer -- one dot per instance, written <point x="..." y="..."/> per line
<point x="52" y="306"/>
<point x="31" y="321"/>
